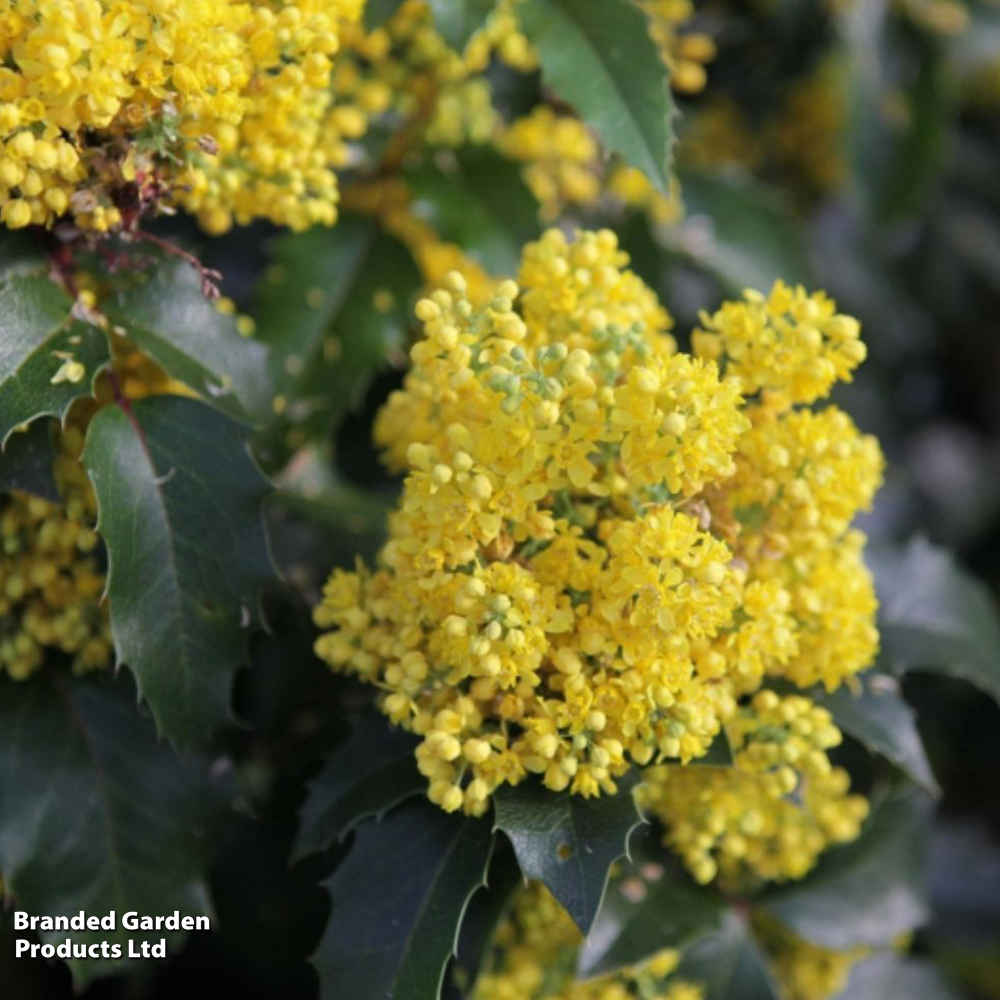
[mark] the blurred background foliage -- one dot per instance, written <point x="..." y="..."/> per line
<point x="851" y="145"/>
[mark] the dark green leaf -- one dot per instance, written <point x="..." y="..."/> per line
<point x="481" y="203"/>
<point x="170" y="319"/>
<point x="334" y="305"/>
<point x="728" y="965"/>
<point x="38" y="337"/>
<point x="179" y="500"/>
<point x="892" y="977"/>
<point x="741" y="231"/>
<point x="567" y="841"/>
<point x="377" y="12"/>
<point x="867" y="892"/>
<point x="488" y="907"/>
<point x="26" y="463"/>
<point x="458" y="20"/>
<point x="303" y="289"/>
<point x="879" y="717"/>
<point x="95" y="813"/>
<point x="398" y="901"/>
<point x="647" y="907"/>
<point x="935" y="616"/>
<point x="371" y="772"/>
<point x="598" y="56"/>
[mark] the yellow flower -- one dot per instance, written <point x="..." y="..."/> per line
<point x="771" y="815"/>
<point x="534" y="954"/>
<point x="220" y="107"/>
<point x="590" y="562"/>
<point x="805" y="970"/>
<point x="51" y="576"/>
<point x="789" y="347"/>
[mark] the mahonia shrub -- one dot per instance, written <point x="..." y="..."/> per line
<point x="590" y="564"/>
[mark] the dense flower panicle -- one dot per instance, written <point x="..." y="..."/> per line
<point x="770" y="816"/>
<point x="534" y="954"/>
<point x="789" y="347"/>
<point x="221" y="107"/>
<point x="583" y="571"/>
<point x="51" y="574"/>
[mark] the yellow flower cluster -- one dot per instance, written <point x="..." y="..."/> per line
<point x="805" y="971"/>
<point x="586" y="568"/>
<point x="432" y="93"/>
<point x="685" y="52"/>
<point x="51" y="576"/>
<point x="801" y="476"/>
<point x="221" y="107"/>
<point x="772" y="814"/>
<point x="564" y="168"/>
<point x="534" y="956"/>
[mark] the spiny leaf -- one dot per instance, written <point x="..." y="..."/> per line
<point x="935" y="616"/>
<point x="179" y="501"/>
<point x="487" y="909"/>
<point x="879" y="718"/>
<point x="414" y="872"/>
<point x="728" y="965"/>
<point x="649" y="905"/>
<point x="95" y="813"/>
<point x="371" y="772"/>
<point x="867" y="892"/>
<point x="567" y="841"/>
<point x="40" y="344"/>
<point x="598" y="56"/>
<point x="170" y="319"/>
